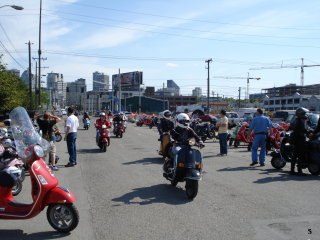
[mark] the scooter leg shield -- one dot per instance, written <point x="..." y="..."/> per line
<point x="193" y="174"/>
<point x="58" y="195"/>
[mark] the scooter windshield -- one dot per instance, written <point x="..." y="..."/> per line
<point x="24" y="134"/>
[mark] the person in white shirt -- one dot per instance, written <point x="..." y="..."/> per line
<point x="72" y="125"/>
<point x="223" y="133"/>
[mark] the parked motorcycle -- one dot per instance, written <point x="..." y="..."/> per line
<point x="234" y="134"/>
<point x="285" y="154"/>
<point x="154" y="122"/>
<point x="187" y="167"/>
<point x="243" y="136"/>
<point x="103" y="137"/>
<point x="10" y="164"/>
<point x="86" y="124"/>
<point x="203" y="130"/>
<point x="61" y="213"/>
<point x="119" y="130"/>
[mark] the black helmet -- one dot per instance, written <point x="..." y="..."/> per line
<point x="301" y="112"/>
<point x="167" y="114"/>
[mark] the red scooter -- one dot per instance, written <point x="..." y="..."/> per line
<point x="61" y="213"/>
<point x="118" y="129"/>
<point x="244" y="136"/>
<point x="103" y="137"/>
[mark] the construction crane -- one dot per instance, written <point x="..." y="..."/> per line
<point x="302" y="66"/>
<point x="248" y="81"/>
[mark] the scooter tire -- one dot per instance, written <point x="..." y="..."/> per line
<point x="191" y="188"/>
<point x="23" y="175"/>
<point x="236" y="143"/>
<point x="314" y="169"/>
<point x="104" y="147"/>
<point x="121" y="135"/>
<point x="249" y="147"/>
<point x="174" y="183"/>
<point x="58" y="137"/>
<point x="17" y="187"/>
<point x="277" y="162"/>
<point x="69" y="210"/>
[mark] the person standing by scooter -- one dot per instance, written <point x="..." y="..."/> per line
<point x="72" y="125"/>
<point x="260" y="125"/>
<point x="222" y="124"/>
<point x="46" y="123"/>
<point x="298" y="139"/>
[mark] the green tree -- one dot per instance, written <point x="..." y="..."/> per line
<point x="13" y="92"/>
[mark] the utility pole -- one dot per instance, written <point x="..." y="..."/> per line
<point x="119" y="91"/>
<point x="35" y="86"/>
<point x="164" y="105"/>
<point x="39" y="78"/>
<point x="39" y="56"/>
<point x="208" y="83"/>
<point x="239" y="97"/>
<point x="30" y="76"/>
<point x="248" y="81"/>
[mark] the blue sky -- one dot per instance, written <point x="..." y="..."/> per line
<point x="174" y="37"/>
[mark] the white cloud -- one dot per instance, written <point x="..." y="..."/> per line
<point x="172" y="65"/>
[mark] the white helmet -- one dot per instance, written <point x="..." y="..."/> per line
<point x="167" y="114"/>
<point x="183" y="120"/>
<point x="102" y="114"/>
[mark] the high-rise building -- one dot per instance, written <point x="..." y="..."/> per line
<point x="25" y="78"/>
<point x="172" y="89"/>
<point x="75" y="91"/>
<point x="57" y="89"/>
<point x="100" y="82"/>
<point x="197" y="92"/>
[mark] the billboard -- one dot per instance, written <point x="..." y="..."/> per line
<point x="129" y="81"/>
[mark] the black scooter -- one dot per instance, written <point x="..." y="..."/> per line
<point x="187" y="167"/>
<point x="203" y="130"/>
<point x="285" y="154"/>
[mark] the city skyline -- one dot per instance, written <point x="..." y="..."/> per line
<point x="169" y="40"/>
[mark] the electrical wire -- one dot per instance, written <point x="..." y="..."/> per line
<point x="188" y="19"/>
<point x="6" y="50"/>
<point x="187" y="36"/>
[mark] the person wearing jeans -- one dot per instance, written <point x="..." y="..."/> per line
<point x="260" y="126"/>
<point x="223" y="133"/>
<point x="72" y="125"/>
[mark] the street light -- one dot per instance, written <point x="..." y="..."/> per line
<point x="13" y="6"/>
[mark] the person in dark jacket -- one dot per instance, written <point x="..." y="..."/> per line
<point x="298" y="138"/>
<point x="165" y="125"/>
<point x="181" y="135"/>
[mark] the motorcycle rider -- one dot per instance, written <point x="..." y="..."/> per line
<point x="181" y="134"/>
<point x="165" y="125"/>
<point x="102" y="120"/>
<point x="119" y="118"/>
<point x="298" y="138"/>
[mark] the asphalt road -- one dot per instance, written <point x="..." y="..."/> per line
<point x="122" y="195"/>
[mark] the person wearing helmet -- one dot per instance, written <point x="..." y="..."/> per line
<point x="118" y="119"/>
<point x="298" y="139"/>
<point x="181" y="135"/>
<point x="166" y="124"/>
<point x="102" y="120"/>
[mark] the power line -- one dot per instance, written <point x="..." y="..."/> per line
<point x="180" y="28"/>
<point x="189" y="19"/>
<point x="6" y="50"/>
<point x="188" y="36"/>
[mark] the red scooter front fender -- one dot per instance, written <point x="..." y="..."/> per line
<point x="58" y="195"/>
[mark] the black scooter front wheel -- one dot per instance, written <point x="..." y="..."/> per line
<point x="277" y="162"/>
<point x="191" y="188"/>
<point x="63" y="217"/>
<point x="314" y="169"/>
